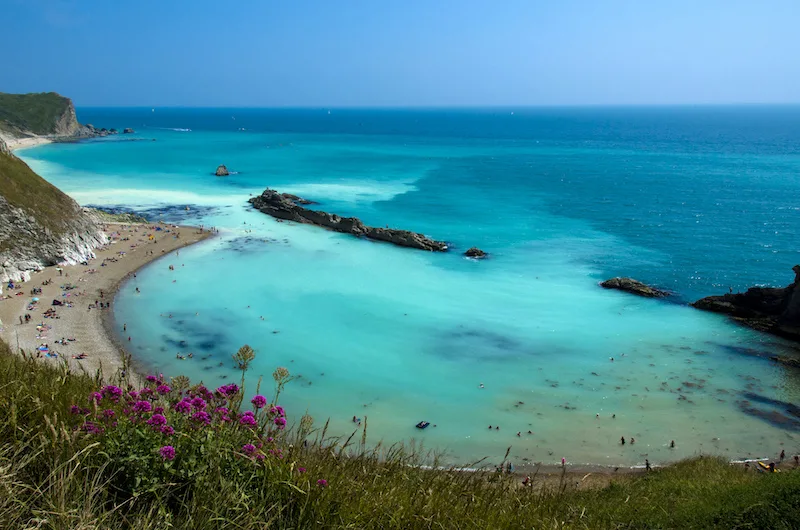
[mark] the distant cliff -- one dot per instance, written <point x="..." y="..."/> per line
<point x="45" y="115"/>
<point x="39" y="224"/>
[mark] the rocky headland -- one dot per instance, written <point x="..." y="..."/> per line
<point x="774" y="310"/>
<point x="286" y="206"/>
<point x="629" y="285"/>
<point x="31" y="119"/>
<point x="39" y="224"/>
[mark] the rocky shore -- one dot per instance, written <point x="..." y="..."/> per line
<point x="629" y="285"/>
<point x="774" y="310"/>
<point x="286" y="206"/>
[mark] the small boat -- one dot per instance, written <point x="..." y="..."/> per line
<point x="423" y="425"/>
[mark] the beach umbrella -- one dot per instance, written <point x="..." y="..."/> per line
<point x="35" y="299"/>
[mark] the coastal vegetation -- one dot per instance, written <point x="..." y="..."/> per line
<point x="39" y="224"/>
<point x="40" y="114"/>
<point x="77" y="451"/>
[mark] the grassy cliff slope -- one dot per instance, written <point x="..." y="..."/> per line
<point x="40" y="114"/>
<point x="73" y="459"/>
<point x="43" y="205"/>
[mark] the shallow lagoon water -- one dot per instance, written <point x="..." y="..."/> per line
<point x="696" y="204"/>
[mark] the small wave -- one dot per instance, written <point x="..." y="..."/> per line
<point x="176" y="129"/>
<point x="358" y="191"/>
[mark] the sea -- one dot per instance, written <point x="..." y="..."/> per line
<point x="522" y="351"/>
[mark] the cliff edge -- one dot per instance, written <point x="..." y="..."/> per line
<point x="39" y="224"/>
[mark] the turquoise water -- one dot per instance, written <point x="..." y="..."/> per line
<point x="696" y="200"/>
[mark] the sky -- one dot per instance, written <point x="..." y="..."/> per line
<point x="353" y="53"/>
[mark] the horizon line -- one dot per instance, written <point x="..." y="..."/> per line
<point x="448" y="107"/>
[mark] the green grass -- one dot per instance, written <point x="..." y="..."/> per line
<point x="50" y="207"/>
<point x="53" y="476"/>
<point x="35" y="113"/>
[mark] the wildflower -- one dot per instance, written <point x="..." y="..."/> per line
<point x="249" y="421"/>
<point x="163" y="389"/>
<point x="96" y="397"/>
<point x="158" y="410"/>
<point x="167" y="452"/>
<point x="259" y="457"/>
<point x="223" y="411"/>
<point x="112" y="392"/>
<point x="277" y="409"/>
<point x="157" y="420"/>
<point x="301" y="470"/>
<point x="322" y="483"/>
<point x="228" y="390"/>
<point x="142" y="406"/>
<point x="201" y="417"/>
<point x="248" y="413"/>
<point x="109" y="414"/>
<point x="91" y="428"/>
<point x="199" y="403"/>
<point x="280" y="422"/>
<point x="168" y="430"/>
<point x="248" y="449"/>
<point x="184" y="406"/>
<point x="259" y="401"/>
<point x="133" y="394"/>
<point x="152" y="378"/>
<point x="145" y="392"/>
<point x="280" y="374"/>
<point x="74" y="409"/>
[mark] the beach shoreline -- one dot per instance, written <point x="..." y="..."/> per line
<point x="26" y="142"/>
<point x="130" y="248"/>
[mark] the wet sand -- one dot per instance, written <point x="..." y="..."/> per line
<point x="130" y="248"/>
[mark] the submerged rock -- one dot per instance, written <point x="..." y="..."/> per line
<point x="222" y="171"/>
<point x="771" y="309"/>
<point x="786" y="361"/>
<point x="128" y="130"/>
<point x="286" y="206"/>
<point x="475" y="252"/>
<point x="629" y="285"/>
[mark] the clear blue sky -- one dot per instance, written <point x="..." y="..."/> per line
<point x="402" y="52"/>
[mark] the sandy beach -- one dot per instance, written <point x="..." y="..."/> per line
<point x="22" y="143"/>
<point x="85" y="327"/>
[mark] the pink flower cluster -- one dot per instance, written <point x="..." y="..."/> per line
<point x="164" y="411"/>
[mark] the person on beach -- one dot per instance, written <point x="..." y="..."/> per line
<point x="622" y="440"/>
<point x="783" y="455"/>
<point x="672" y="444"/>
<point x="647" y="465"/>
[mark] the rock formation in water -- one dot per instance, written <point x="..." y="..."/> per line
<point x="222" y="171"/>
<point x="128" y="130"/>
<point x="285" y="206"/>
<point x="475" y="252"/>
<point x="39" y="225"/>
<point x="629" y="285"/>
<point x="772" y="309"/>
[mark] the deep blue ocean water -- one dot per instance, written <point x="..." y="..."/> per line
<point x="693" y="199"/>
